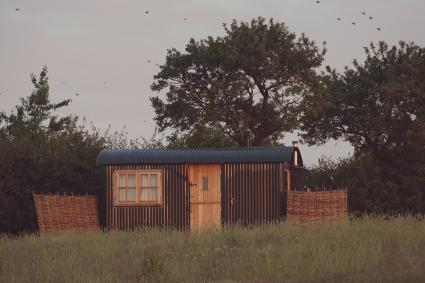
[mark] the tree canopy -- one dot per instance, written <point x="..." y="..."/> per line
<point x="379" y="107"/>
<point x="35" y="114"/>
<point x="251" y="79"/>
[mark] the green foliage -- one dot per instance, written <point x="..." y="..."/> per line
<point x="362" y="250"/>
<point x="35" y="115"/>
<point x="251" y="79"/>
<point x="379" y="107"/>
<point x="372" y="187"/>
<point x="120" y="140"/>
<point x="42" y="152"/>
<point x="200" y="137"/>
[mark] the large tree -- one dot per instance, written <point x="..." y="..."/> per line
<point x="251" y="79"/>
<point x="379" y="107"/>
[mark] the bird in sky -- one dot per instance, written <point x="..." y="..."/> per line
<point x="17" y="9"/>
<point x="353" y="23"/>
<point x="185" y="19"/>
<point x="370" y="18"/>
<point x="77" y="94"/>
<point x="339" y="19"/>
<point x="364" y="13"/>
<point x="379" y="29"/>
<point x="149" y="61"/>
<point x="146" y="12"/>
<point x="317" y="2"/>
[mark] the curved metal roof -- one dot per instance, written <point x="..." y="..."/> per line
<point x="199" y="155"/>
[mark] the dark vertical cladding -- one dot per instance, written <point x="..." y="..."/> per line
<point x="297" y="178"/>
<point x="252" y="193"/>
<point x="173" y="213"/>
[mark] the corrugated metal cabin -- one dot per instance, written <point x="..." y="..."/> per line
<point x="198" y="188"/>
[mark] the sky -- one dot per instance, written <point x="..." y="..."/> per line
<point x="101" y="49"/>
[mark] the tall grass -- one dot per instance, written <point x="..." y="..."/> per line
<point x="364" y="250"/>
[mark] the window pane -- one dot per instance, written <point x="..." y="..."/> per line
<point x="132" y="180"/>
<point x="122" y="181"/>
<point x="144" y="195"/>
<point x="131" y="194"/>
<point x="205" y="183"/>
<point x="154" y="180"/>
<point x="121" y="196"/>
<point x="154" y="195"/>
<point x="144" y="180"/>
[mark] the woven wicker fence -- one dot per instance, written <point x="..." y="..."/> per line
<point x="316" y="206"/>
<point x="61" y="213"/>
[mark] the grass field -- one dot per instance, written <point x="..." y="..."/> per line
<point x="365" y="250"/>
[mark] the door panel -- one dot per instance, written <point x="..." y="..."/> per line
<point x="205" y="197"/>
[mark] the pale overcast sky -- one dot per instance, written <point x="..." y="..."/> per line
<point x="100" y="49"/>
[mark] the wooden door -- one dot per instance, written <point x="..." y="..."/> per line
<point x="205" y="196"/>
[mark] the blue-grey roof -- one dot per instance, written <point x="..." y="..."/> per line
<point x="206" y="155"/>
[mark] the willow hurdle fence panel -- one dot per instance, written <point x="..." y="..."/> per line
<point x="317" y="206"/>
<point x="66" y="213"/>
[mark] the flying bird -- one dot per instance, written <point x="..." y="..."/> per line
<point x="185" y="19"/>
<point x="77" y="94"/>
<point x="17" y="9"/>
<point x="370" y="18"/>
<point x="146" y="12"/>
<point x="339" y="19"/>
<point x="353" y="23"/>
<point x="148" y="61"/>
<point x="317" y="2"/>
<point x="364" y="13"/>
<point x="379" y="29"/>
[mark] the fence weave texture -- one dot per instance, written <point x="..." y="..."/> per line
<point x="319" y="206"/>
<point x="62" y="213"/>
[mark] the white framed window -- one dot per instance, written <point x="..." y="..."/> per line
<point x="137" y="187"/>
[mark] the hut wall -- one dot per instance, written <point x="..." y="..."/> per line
<point x="173" y="212"/>
<point x="252" y="193"/>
